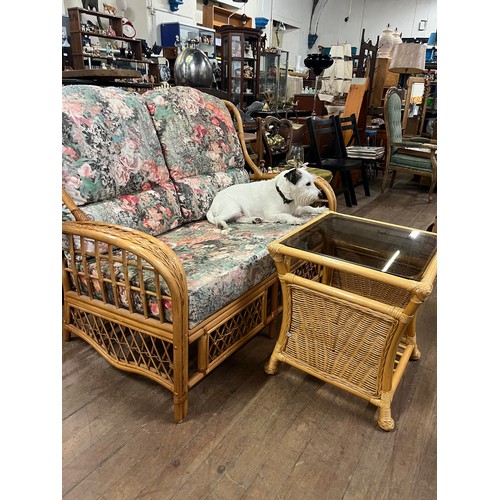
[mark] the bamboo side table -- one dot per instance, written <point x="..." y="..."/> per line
<point x="351" y="291"/>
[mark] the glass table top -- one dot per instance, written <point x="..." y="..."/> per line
<point x="399" y="251"/>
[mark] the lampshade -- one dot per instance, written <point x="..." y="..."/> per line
<point x="408" y="58"/>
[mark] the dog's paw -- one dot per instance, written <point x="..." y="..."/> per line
<point x="257" y="220"/>
<point x="319" y="210"/>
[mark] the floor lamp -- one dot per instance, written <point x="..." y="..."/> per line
<point x="407" y="59"/>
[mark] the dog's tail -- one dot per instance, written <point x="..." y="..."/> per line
<point x="210" y="216"/>
<point x="216" y="221"/>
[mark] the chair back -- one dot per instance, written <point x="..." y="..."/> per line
<point x="324" y="138"/>
<point x="350" y="130"/>
<point x="274" y="136"/>
<point x="392" y="116"/>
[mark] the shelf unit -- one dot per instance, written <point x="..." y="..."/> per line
<point x="240" y="64"/>
<point x="80" y="56"/>
<point x="215" y="17"/>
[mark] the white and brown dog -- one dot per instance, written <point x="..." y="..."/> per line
<point x="282" y="199"/>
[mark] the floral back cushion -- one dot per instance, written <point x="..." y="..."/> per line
<point x="112" y="162"/>
<point x="200" y="144"/>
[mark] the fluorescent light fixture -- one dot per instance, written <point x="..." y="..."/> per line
<point x="391" y="260"/>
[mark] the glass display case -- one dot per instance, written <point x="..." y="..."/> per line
<point x="273" y="74"/>
<point x="183" y="36"/>
<point x="240" y="68"/>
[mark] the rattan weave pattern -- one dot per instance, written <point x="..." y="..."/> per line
<point x="349" y="348"/>
<point x="370" y="288"/>
<point x="126" y="346"/>
<point x="236" y="328"/>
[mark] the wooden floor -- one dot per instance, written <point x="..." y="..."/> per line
<point x="249" y="435"/>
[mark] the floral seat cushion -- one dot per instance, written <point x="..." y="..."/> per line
<point x="199" y="143"/>
<point x="112" y="161"/>
<point x="220" y="266"/>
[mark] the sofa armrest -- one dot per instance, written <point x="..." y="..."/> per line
<point x="328" y="193"/>
<point x="77" y="212"/>
<point x="256" y="173"/>
<point x="125" y="268"/>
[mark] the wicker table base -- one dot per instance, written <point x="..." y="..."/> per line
<point x="351" y="291"/>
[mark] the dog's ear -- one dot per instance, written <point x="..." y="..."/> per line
<point x="293" y="175"/>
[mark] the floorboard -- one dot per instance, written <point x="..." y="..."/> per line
<point x="249" y="435"/>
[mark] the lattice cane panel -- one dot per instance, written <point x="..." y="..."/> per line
<point x="236" y="328"/>
<point x="309" y="271"/>
<point x="126" y="345"/>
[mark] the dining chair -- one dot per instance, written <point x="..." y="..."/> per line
<point x="369" y="155"/>
<point x="274" y="138"/>
<point x="416" y="155"/>
<point x="327" y="152"/>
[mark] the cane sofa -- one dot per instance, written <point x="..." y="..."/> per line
<point x="148" y="282"/>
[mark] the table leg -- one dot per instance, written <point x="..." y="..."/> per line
<point x="411" y="338"/>
<point x="385" y="421"/>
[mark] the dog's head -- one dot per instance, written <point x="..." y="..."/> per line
<point x="297" y="184"/>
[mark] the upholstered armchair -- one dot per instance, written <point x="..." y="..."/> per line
<point x="415" y="155"/>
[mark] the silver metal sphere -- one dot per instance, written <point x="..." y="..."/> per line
<point x="193" y="69"/>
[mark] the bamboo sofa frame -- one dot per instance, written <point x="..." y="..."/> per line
<point x="169" y="353"/>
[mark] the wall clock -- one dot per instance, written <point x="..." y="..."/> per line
<point x="128" y="28"/>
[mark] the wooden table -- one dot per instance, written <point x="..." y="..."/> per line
<point x="351" y="290"/>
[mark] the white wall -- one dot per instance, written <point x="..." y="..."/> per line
<point x="373" y="15"/>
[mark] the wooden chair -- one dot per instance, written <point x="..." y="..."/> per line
<point x="274" y="138"/>
<point x="328" y="152"/>
<point x="416" y="155"/>
<point x="369" y="156"/>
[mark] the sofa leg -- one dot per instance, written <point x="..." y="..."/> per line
<point x="180" y="408"/>
<point x="66" y="334"/>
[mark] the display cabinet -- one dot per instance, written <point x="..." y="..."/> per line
<point x="273" y="74"/>
<point x="183" y="36"/>
<point x="240" y="64"/>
